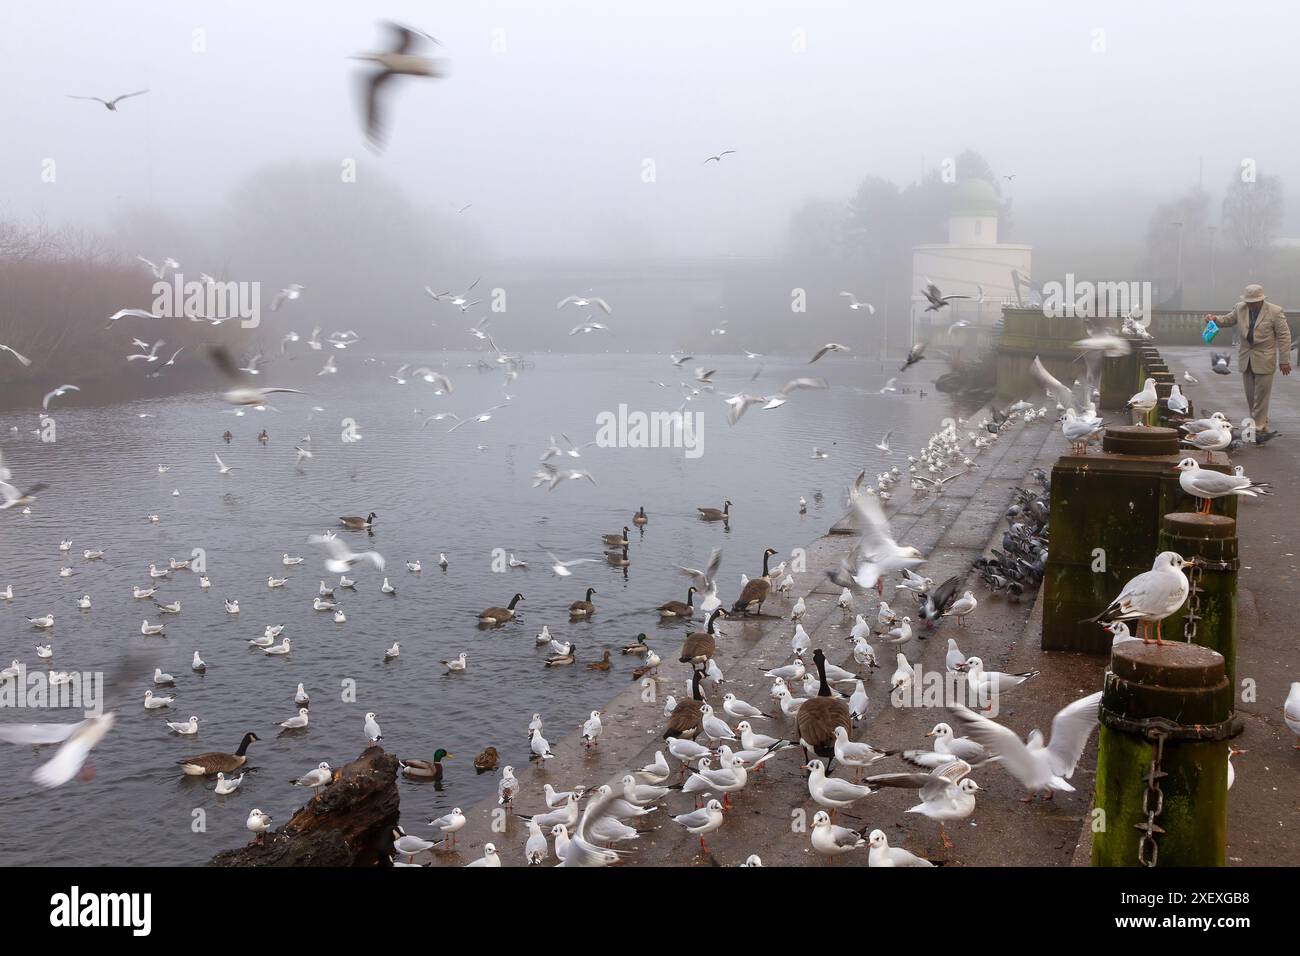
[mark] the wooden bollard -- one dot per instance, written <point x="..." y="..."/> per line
<point x="1210" y="542"/>
<point x="1162" y="758"/>
<point x="1107" y="512"/>
<point x="1119" y="379"/>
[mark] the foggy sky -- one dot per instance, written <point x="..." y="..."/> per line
<point x="547" y="138"/>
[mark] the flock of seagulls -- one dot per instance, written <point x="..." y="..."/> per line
<point x="817" y="711"/>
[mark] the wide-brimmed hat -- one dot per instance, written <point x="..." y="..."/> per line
<point x="1254" y="293"/>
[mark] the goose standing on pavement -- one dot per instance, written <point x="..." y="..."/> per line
<point x="755" y="592"/>
<point x="687" y="717"/>
<point x="702" y="645"/>
<point x="818" y="716"/>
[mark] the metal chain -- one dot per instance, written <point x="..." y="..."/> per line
<point x="1193" y="600"/>
<point x="1148" y="849"/>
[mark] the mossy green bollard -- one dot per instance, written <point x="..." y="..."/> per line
<point x="1211" y="542"/>
<point x="1162" y="758"/>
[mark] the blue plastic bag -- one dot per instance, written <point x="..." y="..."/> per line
<point x="1211" y="330"/>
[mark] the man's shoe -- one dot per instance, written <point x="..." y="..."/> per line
<point x="1265" y="437"/>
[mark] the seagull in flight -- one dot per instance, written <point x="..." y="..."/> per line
<point x="718" y="157"/>
<point x="225" y="469"/>
<point x="828" y="347"/>
<point x="57" y="393"/>
<point x="561" y="568"/>
<point x="854" y="304"/>
<point x="584" y="302"/>
<point x="22" y="359"/>
<point x="483" y="416"/>
<point x="288" y="294"/>
<point x="110" y="105"/>
<point x="397" y="61"/>
<point x="160" y="271"/>
<point x="936" y="298"/>
<point x="151" y="356"/>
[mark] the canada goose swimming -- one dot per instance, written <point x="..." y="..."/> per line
<point x="679" y="609"/>
<point x="818" y="717"/>
<point x="685" y="720"/>
<point x="640" y="519"/>
<point x="486" y="762"/>
<point x="499" y="615"/>
<point x="713" y="514"/>
<point x="755" y="592"/>
<point x="205" y="765"/>
<point x="701" y="645"/>
<point x="617" y="540"/>
<point x="560" y="660"/>
<point x="583" y="609"/>
<point x="425" y="769"/>
<point x="639" y="647"/>
<point x="600" y="665"/>
<point x="355" y="523"/>
<point x="618" y="559"/>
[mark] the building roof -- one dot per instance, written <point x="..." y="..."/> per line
<point x="975" y="197"/>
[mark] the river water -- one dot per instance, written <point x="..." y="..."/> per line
<point x="466" y="493"/>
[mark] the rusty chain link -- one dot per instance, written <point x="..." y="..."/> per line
<point x="1148" y="848"/>
<point x="1196" y="567"/>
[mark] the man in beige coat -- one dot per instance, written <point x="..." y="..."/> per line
<point x="1264" y="346"/>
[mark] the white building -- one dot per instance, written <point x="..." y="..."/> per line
<point x="971" y="258"/>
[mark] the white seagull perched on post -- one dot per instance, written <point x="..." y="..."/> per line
<point x="1206" y="485"/>
<point x="1146" y="399"/>
<point x="1151" y="596"/>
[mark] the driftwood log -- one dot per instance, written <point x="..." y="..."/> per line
<point x="348" y="822"/>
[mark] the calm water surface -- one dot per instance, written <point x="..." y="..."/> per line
<point x="433" y="492"/>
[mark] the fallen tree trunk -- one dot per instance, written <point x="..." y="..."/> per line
<point x="348" y="822"/>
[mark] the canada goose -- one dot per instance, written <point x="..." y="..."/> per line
<point x="713" y="514"/>
<point x="617" y="540"/>
<point x="355" y="523"/>
<point x="679" y="609"/>
<point x="205" y="765"/>
<point x="600" y="665"/>
<point x="425" y="769"/>
<point x="486" y="762"/>
<point x="568" y="657"/>
<point x="584" y="608"/>
<point x="618" y="559"/>
<point x="755" y="592"/>
<point x="684" y="722"/>
<point x="640" y="519"/>
<point x="499" y="615"/>
<point x="818" y="717"/>
<point x="638" y="648"/>
<point x="701" y="645"/>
